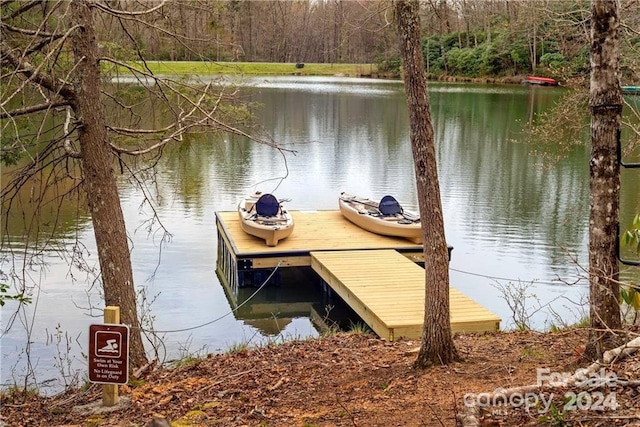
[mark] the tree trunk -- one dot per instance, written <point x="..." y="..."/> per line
<point x="437" y="341"/>
<point x="605" y="101"/>
<point x="100" y="180"/>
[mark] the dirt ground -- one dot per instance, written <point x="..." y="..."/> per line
<point x="354" y="380"/>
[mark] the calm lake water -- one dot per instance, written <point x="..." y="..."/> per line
<point x="510" y="220"/>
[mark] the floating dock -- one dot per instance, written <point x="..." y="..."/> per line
<point x="241" y="256"/>
<point x="387" y="291"/>
<point x="378" y="276"/>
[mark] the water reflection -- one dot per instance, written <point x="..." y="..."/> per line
<point x="507" y="218"/>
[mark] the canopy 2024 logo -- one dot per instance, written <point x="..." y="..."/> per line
<point x="590" y="391"/>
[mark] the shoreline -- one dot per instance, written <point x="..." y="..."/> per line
<point x="299" y="69"/>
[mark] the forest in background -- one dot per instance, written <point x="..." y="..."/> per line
<point x="492" y="38"/>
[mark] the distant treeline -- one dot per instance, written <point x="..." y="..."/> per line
<point x="495" y="38"/>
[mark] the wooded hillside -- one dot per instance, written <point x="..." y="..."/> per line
<point x="460" y="37"/>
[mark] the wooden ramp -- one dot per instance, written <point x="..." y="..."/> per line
<point x="376" y="275"/>
<point x="387" y="291"/>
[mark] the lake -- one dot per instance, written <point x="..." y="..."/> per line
<point x="516" y="225"/>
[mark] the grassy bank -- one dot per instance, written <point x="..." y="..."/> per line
<point x="203" y="68"/>
<point x="256" y="68"/>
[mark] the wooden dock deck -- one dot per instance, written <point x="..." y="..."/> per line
<point x="376" y="275"/>
<point x="387" y="291"/>
<point x="313" y="231"/>
<point x="240" y="253"/>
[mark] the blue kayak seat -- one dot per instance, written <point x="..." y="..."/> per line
<point x="389" y="206"/>
<point x="267" y="205"/>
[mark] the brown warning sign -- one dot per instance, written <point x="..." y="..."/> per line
<point x="109" y="354"/>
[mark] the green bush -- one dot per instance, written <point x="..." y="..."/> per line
<point x="433" y="60"/>
<point x="449" y="41"/>
<point x="579" y="64"/>
<point x="553" y="60"/>
<point x="464" y="62"/>
<point x="490" y="61"/>
<point x="389" y="65"/>
<point x="520" y="59"/>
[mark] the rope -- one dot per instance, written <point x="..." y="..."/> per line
<point x="224" y="315"/>
<point x="554" y="282"/>
<point x="276" y="269"/>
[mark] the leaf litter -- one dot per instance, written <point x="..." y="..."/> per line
<point x="347" y="380"/>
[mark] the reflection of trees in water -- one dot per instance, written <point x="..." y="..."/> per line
<point x="41" y="210"/>
<point x="269" y="327"/>
<point x="525" y="203"/>
<point x="53" y="218"/>
<point x="297" y="293"/>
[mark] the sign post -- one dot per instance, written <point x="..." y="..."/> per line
<point x="109" y="355"/>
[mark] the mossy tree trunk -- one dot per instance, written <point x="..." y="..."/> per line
<point x="99" y="181"/>
<point x="605" y="101"/>
<point x="437" y="340"/>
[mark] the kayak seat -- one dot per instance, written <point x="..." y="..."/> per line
<point x="389" y="206"/>
<point x="267" y="205"/>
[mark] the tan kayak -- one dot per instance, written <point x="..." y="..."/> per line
<point x="385" y="217"/>
<point x="263" y="216"/>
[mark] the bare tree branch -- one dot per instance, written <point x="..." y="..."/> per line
<point x="128" y="131"/>
<point x="29" y="32"/>
<point x="177" y="135"/>
<point x="629" y="29"/>
<point x="22" y="66"/>
<point x="179" y="38"/>
<point x="68" y="146"/>
<point x="197" y="106"/>
<point x="32" y="109"/>
<point x="129" y="13"/>
<point x="21" y="10"/>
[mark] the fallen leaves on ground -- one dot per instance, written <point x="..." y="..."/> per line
<point x="345" y="380"/>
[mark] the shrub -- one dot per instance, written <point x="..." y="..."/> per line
<point x="553" y="60"/>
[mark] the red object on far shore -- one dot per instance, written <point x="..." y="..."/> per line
<point x="543" y="81"/>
